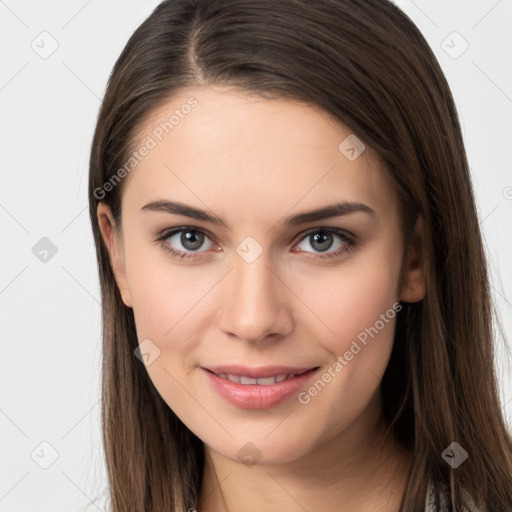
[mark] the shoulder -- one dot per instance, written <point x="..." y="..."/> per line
<point x="430" y="502"/>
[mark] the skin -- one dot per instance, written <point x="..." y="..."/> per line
<point x="253" y="161"/>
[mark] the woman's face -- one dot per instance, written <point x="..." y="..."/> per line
<point x="256" y="280"/>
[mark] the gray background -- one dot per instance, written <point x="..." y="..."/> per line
<point x="49" y="301"/>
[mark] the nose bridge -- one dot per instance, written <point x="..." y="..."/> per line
<point x="253" y="305"/>
<point x="253" y="280"/>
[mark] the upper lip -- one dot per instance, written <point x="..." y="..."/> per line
<point x="259" y="372"/>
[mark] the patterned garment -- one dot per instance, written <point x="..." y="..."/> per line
<point x="430" y="503"/>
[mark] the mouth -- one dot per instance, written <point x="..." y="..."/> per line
<point x="247" y="380"/>
<point x="258" y="388"/>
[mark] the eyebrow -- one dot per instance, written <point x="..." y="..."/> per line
<point x="326" y="212"/>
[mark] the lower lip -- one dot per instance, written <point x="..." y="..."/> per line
<point x="254" y="396"/>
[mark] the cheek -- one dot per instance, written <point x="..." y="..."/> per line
<point x="359" y="305"/>
<point x="360" y="309"/>
<point x="167" y="305"/>
<point x="350" y="299"/>
<point x="172" y="309"/>
<point x="164" y="295"/>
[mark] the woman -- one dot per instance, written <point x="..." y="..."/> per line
<point x="296" y="309"/>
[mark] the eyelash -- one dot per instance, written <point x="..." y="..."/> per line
<point x="348" y="240"/>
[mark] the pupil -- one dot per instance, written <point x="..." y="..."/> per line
<point x="191" y="240"/>
<point x="322" y="239"/>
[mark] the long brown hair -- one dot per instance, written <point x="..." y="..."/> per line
<point x="366" y="64"/>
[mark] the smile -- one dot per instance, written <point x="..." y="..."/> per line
<point x="264" y="381"/>
<point x="250" y="392"/>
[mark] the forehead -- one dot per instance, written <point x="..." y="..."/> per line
<point x="227" y="145"/>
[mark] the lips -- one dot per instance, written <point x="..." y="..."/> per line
<point x="258" y="388"/>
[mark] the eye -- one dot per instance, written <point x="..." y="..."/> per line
<point x="185" y="242"/>
<point x="181" y="240"/>
<point x="323" y="239"/>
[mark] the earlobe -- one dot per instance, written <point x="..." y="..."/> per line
<point x="414" y="273"/>
<point x="113" y="245"/>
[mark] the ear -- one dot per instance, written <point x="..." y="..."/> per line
<point x="414" y="272"/>
<point x="113" y="243"/>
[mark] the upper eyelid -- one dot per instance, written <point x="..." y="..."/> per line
<point x="173" y="231"/>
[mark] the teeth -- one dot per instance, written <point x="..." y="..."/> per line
<point x="264" y="381"/>
<point x="248" y="380"/>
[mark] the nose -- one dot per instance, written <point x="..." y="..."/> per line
<point x="256" y="302"/>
